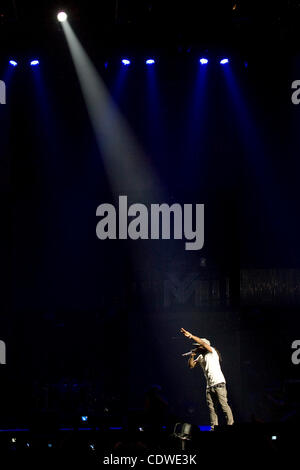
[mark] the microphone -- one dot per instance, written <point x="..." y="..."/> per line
<point x="190" y="352"/>
<point x="187" y="353"/>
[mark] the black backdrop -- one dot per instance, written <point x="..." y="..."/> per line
<point x="104" y="316"/>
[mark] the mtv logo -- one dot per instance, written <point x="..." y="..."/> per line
<point x="181" y="290"/>
<point x="2" y="92"/>
<point x="2" y="352"/>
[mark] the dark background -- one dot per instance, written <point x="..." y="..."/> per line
<point x="90" y="325"/>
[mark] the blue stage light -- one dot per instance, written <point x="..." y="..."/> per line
<point x="126" y="62"/>
<point x="13" y="63"/>
<point x="34" y="62"/>
<point x="84" y="418"/>
<point x="150" y="61"/>
<point x="204" y="428"/>
<point x="224" y="61"/>
<point x="203" y="61"/>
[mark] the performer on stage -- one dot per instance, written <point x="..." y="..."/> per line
<point x="216" y="392"/>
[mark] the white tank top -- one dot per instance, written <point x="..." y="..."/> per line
<point x="210" y="364"/>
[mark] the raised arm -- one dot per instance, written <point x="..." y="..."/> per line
<point x="196" y="339"/>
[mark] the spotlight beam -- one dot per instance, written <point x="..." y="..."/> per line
<point x="125" y="161"/>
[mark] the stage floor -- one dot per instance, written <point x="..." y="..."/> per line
<point x="251" y="444"/>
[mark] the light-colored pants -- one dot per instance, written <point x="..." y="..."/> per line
<point x="217" y="395"/>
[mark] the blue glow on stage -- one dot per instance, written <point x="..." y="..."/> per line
<point x="203" y="61"/>
<point x="150" y="61"/>
<point x="13" y="63"/>
<point x="224" y="61"/>
<point x="204" y="428"/>
<point x="126" y="62"/>
<point x="34" y="62"/>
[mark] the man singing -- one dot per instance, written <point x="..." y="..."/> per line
<point x="216" y="392"/>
